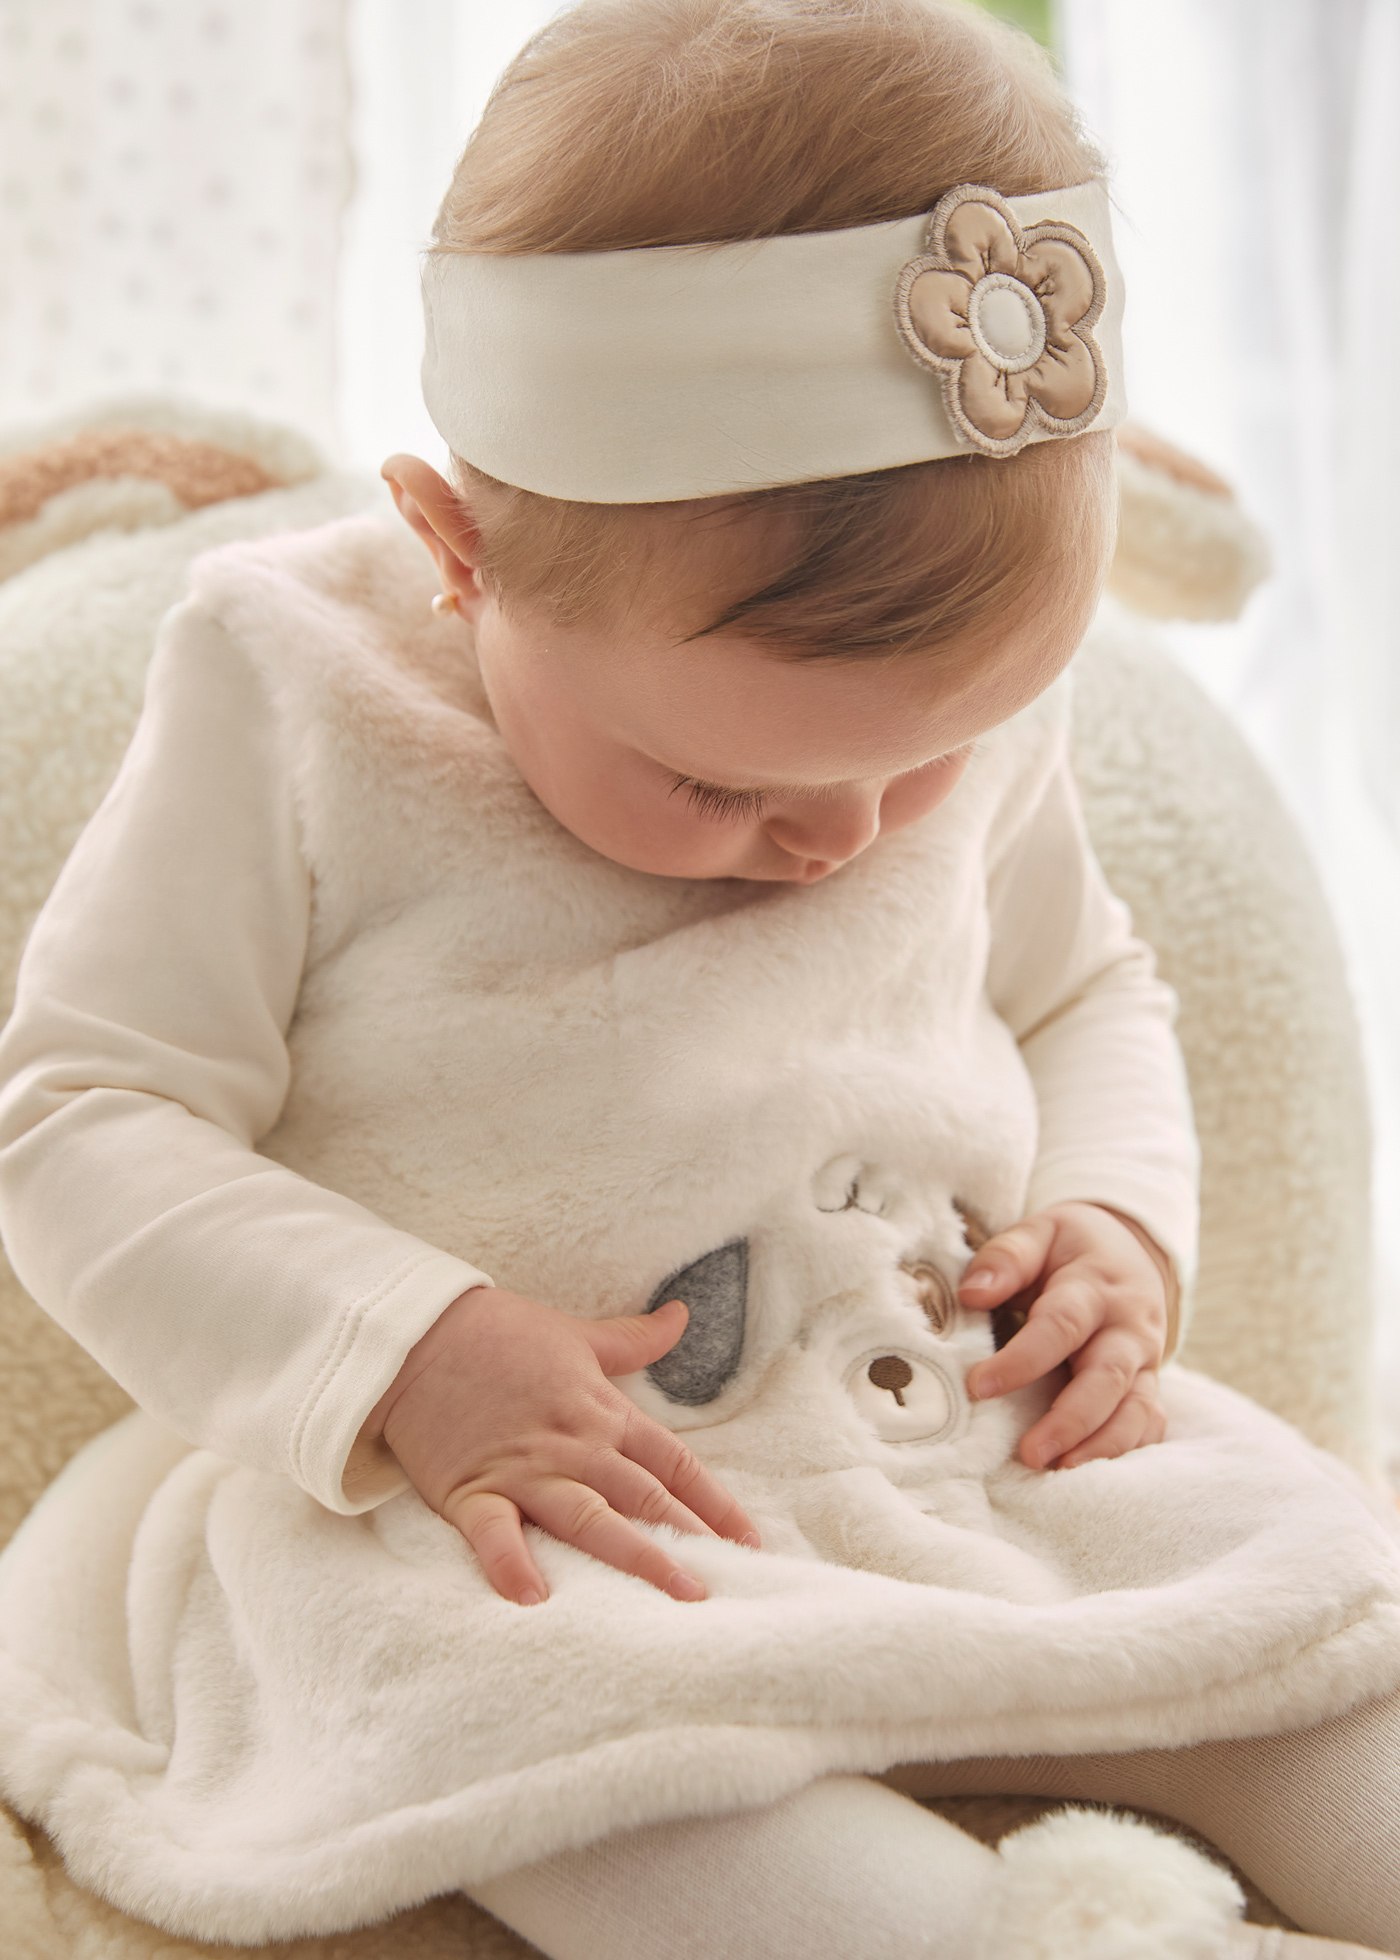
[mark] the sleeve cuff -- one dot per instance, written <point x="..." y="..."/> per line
<point x="374" y="1338"/>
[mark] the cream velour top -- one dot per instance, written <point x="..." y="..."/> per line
<point x="262" y="1314"/>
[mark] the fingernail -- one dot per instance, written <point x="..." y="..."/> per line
<point x="978" y="1279"/>
<point x="530" y="1597"/>
<point x="983" y="1386"/>
<point x="751" y="1538"/>
<point x="685" y="1587"/>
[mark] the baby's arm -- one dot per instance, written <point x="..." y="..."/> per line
<point x="1096" y="1027"/>
<point x="258" y="1313"/>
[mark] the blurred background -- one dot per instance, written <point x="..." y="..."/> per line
<point x="231" y="201"/>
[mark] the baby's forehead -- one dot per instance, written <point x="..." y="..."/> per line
<point x="728" y="711"/>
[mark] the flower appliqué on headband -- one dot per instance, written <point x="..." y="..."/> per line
<point x="1004" y="317"/>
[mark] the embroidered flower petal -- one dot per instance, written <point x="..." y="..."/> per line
<point x="1063" y="380"/>
<point x="938" y="308"/>
<point x="992" y="401"/>
<point x="977" y="239"/>
<point x="1062" y="279"/>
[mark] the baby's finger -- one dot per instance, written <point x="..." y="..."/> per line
<point x="635" y="1493"/>
<point x="582" y="1516"/>
<point x="490" y="1523"/>
<point x="1058" y="1325"/>
<point x="662" y="1451"/>
<point x="1007" y="1263"/>
<point x="1133" y="1423"/>
<point x="1112" y="1364"/>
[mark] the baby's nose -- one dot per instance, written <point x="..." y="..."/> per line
<point x="839" y="826"/>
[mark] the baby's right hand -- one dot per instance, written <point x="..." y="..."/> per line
<point x="504" y="1408"/>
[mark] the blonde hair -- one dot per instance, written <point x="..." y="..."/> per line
<point x="664" y="122"/>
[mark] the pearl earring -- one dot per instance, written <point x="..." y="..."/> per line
<point x="444" y="602"/>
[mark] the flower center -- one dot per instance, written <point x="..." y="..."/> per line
<point x="1007" y="322"/>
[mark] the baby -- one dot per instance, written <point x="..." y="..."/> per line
<point x="699" y="890"/>
<point x="742" y="764"/>
<point x="785" y="750"/>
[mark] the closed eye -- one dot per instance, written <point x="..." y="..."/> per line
<point x="710" y="800"/>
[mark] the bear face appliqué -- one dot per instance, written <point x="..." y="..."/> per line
<point x="904" y="1381"/>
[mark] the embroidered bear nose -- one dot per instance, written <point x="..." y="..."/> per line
<point x="893" y="1372"/>
<point x="905" y="1397"/>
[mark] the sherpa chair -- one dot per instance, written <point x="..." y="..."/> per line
<point x="100" y="513"/>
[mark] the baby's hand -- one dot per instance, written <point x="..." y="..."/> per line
<point x="503" y="1411"/>
<point x="1103" y="1308"/>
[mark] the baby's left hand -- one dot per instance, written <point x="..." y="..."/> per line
<point x="1103" y="1307"/>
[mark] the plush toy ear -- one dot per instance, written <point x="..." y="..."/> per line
<point x="1186" y="549"/>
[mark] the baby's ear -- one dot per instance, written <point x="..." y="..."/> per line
<point x="1186" y="548"/>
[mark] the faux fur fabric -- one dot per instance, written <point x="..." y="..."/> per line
<point x="1094" y="1887"/>
<point x="204" y="1695"/>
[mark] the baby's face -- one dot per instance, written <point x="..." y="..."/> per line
<point x="716" y="759"/>
<point x="803" y="763"/>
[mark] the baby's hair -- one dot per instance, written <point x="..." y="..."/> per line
<point x="627" y="123"/>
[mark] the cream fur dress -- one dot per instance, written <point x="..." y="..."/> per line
<point x="251" y="1685"/>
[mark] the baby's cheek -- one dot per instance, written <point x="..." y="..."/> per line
<point x="910" y="797"/>
<point x="647" y="834"/>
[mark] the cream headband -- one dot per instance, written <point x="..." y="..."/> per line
<point x="671" y="371"/>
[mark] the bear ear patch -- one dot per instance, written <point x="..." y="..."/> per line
<point x="1011" y="1315"/>
<point x="935" y="1291"/>
<point x="975" y="1228"/>
<point x="715" y="1288"/>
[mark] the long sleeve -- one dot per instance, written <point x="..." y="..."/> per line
<point x="1096" y="1028"/>
<point x="257" y="1313"/>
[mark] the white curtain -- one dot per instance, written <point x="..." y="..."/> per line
<point x="1256" y="155"/>
<point x="422" y="70"/>
<point x="172" y="179"/>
